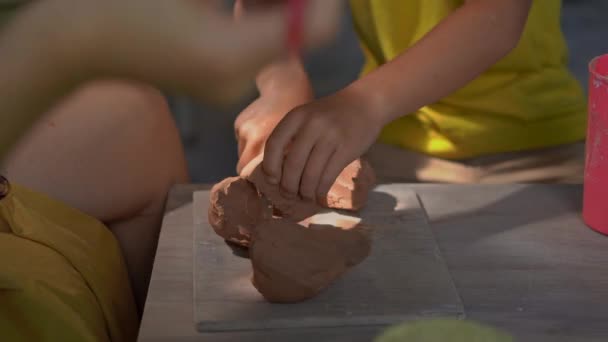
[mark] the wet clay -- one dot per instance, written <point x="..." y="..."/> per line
<point x="236" y="208"/>
<point x="349" y="191"/>
<point x="292" y="263"/>
<point x="351" y="188"/>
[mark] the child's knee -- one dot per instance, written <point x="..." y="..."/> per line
<point x="142" y="113"/>
<point x="148" y="118"/>
<point x="103" y="136"/>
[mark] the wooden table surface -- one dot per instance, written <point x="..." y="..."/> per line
<point x="520" y="256"/>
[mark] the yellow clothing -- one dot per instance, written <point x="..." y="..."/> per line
<point x="62" y="276"/>
<point x="527" y="100"/>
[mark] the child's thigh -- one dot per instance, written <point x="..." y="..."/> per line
<point x="107" y="150"/>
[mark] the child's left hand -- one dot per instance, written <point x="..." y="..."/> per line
<point x="313" y="143"/>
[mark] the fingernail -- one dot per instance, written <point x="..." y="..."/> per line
<point x="272" y="180"/>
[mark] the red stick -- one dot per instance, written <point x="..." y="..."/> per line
<point x="295" y="26"/>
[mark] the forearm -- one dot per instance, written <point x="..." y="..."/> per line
<point x="465" y="44"/>
<point x="34" y="73"/>
<point x="44" y="59"/>
<point x="52" y="46"/>
<point x="286" y="77"/>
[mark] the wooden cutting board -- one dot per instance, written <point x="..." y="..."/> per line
<point x="405" y="276"/>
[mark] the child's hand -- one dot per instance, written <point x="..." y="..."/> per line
<point x="210" y="56"/>
<point x="50" y="47"/>
<point x="181" y="45"/>
<point x="283" y="86"/>
<point x="253" y="126"/>
<point x="257" y="121"/>
<point x="313" y="143"/>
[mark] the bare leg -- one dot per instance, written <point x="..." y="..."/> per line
<point x="112" y="151"/>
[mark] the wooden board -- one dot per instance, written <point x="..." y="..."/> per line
<point x="405" y="277"/>
<point x="561" y="311"/>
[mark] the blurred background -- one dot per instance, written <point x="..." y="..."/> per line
<point x="208" y="135"/>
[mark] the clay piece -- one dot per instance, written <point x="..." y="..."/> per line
<point x="293" y="259"/>
<point x="235" y="209"/>
<point x="351" y="188"/>
<point x="292" y="263"/>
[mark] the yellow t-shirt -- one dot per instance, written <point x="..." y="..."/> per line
<point x="62" y="274"/>
<point x="527" y="100"/>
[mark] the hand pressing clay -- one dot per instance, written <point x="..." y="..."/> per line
<point x="236" y="209"/>
<point x="349" y="192"/>
<point x="352" y="186"/>
<point x="292" y="263"/>
<point x="295" y="209"/>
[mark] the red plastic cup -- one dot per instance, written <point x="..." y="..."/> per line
<point x="595" y="198"/>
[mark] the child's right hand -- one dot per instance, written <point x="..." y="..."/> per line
<point x="313" y="143"/>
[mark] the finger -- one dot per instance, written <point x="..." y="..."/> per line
<point x="243" y="135"/>
<point x="252" y="150"/>
<point x="317" y="161"/>
<point x="244" y="116"/>
<point x="277" y="143"/>
<point x="241" y="144"/>
<point x="333" y="168"/>
<point x="297" y="158"/>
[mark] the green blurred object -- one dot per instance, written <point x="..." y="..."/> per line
<point x="443" y="330"/>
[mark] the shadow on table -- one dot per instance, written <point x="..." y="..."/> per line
<point x="523" y="254"/>
<point x="487" y="213"/>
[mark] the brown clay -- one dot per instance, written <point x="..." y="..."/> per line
<point x="352" y="186"/>
<point x="235" y="210"/>
<point x="292" y="263"/>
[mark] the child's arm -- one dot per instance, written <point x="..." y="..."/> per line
<point x="328" y="134"/>
<point x="54" y="45"/>
<point x="282" y="85"/>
